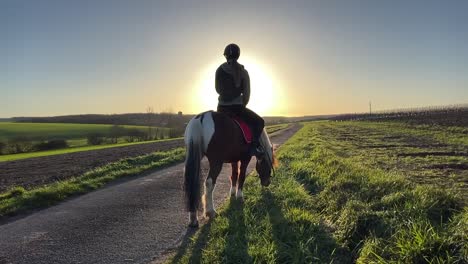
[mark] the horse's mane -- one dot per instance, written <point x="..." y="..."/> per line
<point x="266" y="144"/>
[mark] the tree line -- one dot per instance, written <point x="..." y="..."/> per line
<point x="115" y="134"/>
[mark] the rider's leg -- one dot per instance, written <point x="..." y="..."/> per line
<point x="257" y="124"/>
<point x="210" y="182"/>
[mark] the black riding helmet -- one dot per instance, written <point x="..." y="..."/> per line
<point x="232" y="51"/>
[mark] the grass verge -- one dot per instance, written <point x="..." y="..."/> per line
<point x="322" y="208"/>
<point x="19" y="200"/>
<point x="274" y="128"/>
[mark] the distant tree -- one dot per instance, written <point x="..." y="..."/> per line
<point x="19" y="145"/>
<point x="115" y="132"/>
<point x="95" y="139"/>
<point x="175" y="132"/>
<point x="135" y="135"/>
<point x="162" y="133"/>
<point x="156" y="133"/>
<point x="2" y="147"/>
<point x="150" y="115"/>
<point x="51" y="144"/>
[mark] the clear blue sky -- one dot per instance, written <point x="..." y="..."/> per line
<point x="73" y="57"/>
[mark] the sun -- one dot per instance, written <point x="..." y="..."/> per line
<point x="263" y="91"/>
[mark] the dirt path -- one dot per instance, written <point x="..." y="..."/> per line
<point x="133" y="221"/>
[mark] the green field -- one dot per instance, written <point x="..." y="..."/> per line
<point x="44" y="131"/>
<point x="78" y="145"/>
<point x="28" y="155"/>
<point x="25" y="140"/>
<point x="423" y="154"/>
<point x="342" y="194"/>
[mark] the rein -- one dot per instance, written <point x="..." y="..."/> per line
<point x="270" y="160"/>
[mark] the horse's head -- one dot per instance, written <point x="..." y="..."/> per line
<point x="265" y="165"/>
<point x="267" y="162"/>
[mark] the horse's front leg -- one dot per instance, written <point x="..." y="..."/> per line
<point x="234" y="176"/>
<point x="210" y="182"/>
<point x="241" y="180"/>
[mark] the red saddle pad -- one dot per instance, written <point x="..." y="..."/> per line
<point x="246" y="131"/>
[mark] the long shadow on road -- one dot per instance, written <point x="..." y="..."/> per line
<point x="236" y="248"/>
<point x="196" y="248"/>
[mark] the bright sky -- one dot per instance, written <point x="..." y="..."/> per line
<point x="304" y="57"/>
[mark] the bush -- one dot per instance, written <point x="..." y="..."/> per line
<point x="175" y="132"/>
<point x="51" y="144"/>
<point x="135" y="135"/>
<point x="161" y="133"/>
<point x="115" y="132"/>
<point x="13" y="192"/>
<point x="2" y="147"/>
<point x="95" y="139"/>
<point x="19" y="145"/>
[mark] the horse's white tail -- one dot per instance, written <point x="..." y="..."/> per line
<point x="198" y="133"/>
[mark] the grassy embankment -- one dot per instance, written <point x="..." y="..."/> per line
<point x="18" y="199"/>
<point x="325" y="207"/>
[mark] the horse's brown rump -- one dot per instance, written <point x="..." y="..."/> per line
<point x="227" y="144"/>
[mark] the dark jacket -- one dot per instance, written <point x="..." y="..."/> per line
<point x="232" y="83"/>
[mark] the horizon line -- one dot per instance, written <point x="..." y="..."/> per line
<point x="402" y="109"/>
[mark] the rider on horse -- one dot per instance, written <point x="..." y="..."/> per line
<point x="233" y="86"/>
<point x="215" y="135"/>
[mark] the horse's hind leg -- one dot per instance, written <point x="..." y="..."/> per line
<point x="210" y="182"/>
<point x="234" y="176"/>
<point x="241" y="180"/>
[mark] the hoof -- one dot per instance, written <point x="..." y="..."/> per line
<point x="193" y="220"/>
<point x="194" y="224"/>
<point x="210" y="214"/>
<point x="240" y="196"/>
<point x="232" y="192"/>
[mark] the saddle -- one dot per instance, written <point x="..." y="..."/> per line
<point x="244" y="127"/>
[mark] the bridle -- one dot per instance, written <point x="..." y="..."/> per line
<point x="270" y="161"/>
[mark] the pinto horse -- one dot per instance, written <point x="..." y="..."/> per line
<point x="218" y="137"/>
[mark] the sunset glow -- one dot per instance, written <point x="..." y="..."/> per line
<point x="265" y="90"/>
<point x="303" y="57"/>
